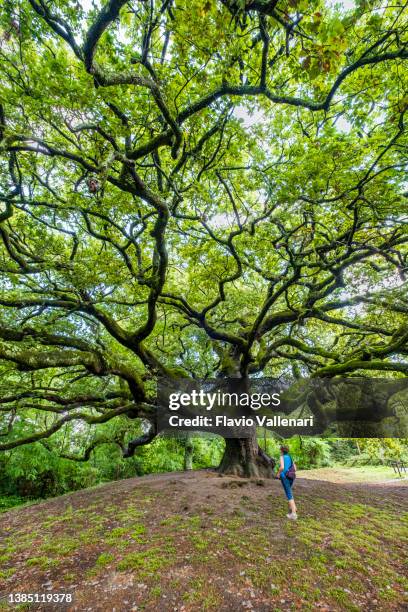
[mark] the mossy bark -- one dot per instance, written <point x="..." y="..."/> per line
<point x="243" y="457"/>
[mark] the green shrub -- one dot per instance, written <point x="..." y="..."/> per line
<point x="310" y="452"/>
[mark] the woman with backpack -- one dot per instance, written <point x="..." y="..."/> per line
<point x="287" y="474"/>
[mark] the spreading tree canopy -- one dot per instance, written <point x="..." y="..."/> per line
<point x="196" y="188"/>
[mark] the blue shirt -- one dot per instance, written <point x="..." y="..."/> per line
<point x="287" y="462"/>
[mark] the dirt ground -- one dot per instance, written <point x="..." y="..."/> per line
<point x="197" y="541"/>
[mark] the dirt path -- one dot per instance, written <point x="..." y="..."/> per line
<point x="363" y="475"/>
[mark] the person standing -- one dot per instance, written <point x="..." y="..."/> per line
<point x="287" y="474"/>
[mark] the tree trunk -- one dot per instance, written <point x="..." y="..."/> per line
<point x="188" y="453"/>
<point x="243" y="457"/>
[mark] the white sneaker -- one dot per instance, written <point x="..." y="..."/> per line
<point x="292" y="516"/>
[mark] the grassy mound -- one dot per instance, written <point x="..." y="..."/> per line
<point x="197" y="541"/>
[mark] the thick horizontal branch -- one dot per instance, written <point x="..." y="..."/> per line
<point x="146" y="438"/>
<point x="313" y="105"/>
<point x="355" y="364"/>
<point x="87" y="418"/>
<point x="89" y="449"/>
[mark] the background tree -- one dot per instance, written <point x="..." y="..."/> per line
<point x="196" y="189"/>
